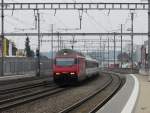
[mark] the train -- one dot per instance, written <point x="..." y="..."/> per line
<point x="71" y="66"/>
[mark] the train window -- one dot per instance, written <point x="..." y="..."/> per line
<point x="76" y="61"/>
<point x="65" y="61"/>
<point x="54" y="61"/>
<point x="90" y="64"/>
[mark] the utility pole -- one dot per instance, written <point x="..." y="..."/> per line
<point x="149" y="37"/>
<point x="62" y="44"/>
<point x="114" y="49"/>
<point x="80" y="18"/>
<point x="80" y="22"/>
<point x="84" y="45"/>
<point x="39" y="66"/>
<point x="58" y="41"/>
<point x="100" y="56"/>
<point x="72" y="43"/>
<point x="132" y="17"/>
<point x="52" y="46"/>
<point x="108" y="52"/>
<point x="2" y="38"/>
<point x="103" y="54"/>
<point x="121" y="47"/>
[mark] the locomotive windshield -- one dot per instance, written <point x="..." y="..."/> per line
<point x="65" y="61"/>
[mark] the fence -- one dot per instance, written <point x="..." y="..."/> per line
<point x="23" y="65"/>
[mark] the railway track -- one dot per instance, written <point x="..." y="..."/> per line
<point x="16" y="96"/>
<point x="25" y="87"/>
<point x="97" y="98"/>
<point x="94" y="100"/>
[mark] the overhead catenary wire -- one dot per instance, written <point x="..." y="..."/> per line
<point x="21" y="22"/>
<point x="73" y="0"/>
<point x="25" y="23"/>
<point x="96" y="23"/>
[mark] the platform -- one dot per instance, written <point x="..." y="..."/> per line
<point x="13" y="77"/>
<point x="143" y="104"/>
<point x="134" y="96"/>
<point x="126" y="98"/>
<point x="24" y="76"/>
<point x="17" y="81"/>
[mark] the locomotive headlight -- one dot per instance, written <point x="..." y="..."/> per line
<point x="72" y="73"/>
<point x="57" y="73"/>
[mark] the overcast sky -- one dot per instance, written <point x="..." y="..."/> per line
<point x="92" y="21"/>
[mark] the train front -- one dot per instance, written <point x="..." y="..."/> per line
<point x="65" y="69"/>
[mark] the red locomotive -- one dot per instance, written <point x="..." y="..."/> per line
<point x="71" y="66"/>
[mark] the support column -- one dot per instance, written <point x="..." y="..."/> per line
<point x="149" y="37"/>
<point x="121" y="47"/>
<point x="104" y="55"/>
<point x="58" y="42"/>
<point x="2" y="38"/>
<point x="39" y="66"/>
<point x="73" y="41"/>
<point x="52" y="47"/>
<point x="132" y="16"/>
<point x="108" y="52"/>
<point x="114" y="49"/>
<point x="100" y="54"/>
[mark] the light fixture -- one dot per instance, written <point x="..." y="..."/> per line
<point x="72" y="73"/>
<point x="57" y="73"/>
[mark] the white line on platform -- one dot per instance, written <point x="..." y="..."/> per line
<point x="129" y="107"/>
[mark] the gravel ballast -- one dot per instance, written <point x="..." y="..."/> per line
<point x="59" y="101"/>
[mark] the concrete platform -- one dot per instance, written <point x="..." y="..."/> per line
<point x="15" y="79"/>
<point x="144" y="72"/>
<point x="24" y="76"/>
<point x="126" y="98"/>
<point x="143" y="104"/>
<point x="5" y="78"/>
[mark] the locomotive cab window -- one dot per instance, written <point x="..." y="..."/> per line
<point x="65" y="61"/>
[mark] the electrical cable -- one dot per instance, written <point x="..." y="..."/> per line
<point x="97" y="23"/>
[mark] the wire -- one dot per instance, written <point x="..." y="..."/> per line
<point x="59" y="20"/>
<point x="26" y="23"/>
<point x="18" y="20"/>
<point x="109" y="20"/>
<point x="97" y="23"/>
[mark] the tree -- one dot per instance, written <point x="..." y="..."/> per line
<point x="29" y="52"/>
<point x="32" y="53"/>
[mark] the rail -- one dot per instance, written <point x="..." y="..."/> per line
<point x="76" y="106"/>
<point x="27" y="94"/>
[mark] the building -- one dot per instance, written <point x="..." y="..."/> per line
<point x="9" y="48"/>
<point x="20" y="52"/>
<point x="136" y="51"/>
<point x="144" y="55"/>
